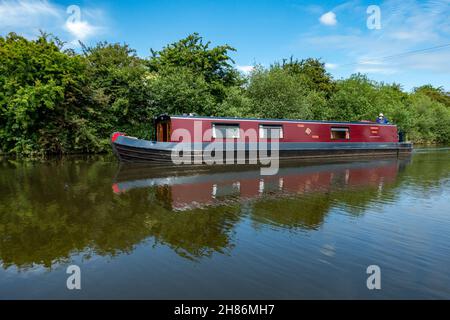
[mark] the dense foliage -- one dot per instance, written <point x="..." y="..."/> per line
<point x="53" y="100"/>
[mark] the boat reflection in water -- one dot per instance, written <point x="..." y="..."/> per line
<point x="186" y="190"/>
<point x="69" y="208"/>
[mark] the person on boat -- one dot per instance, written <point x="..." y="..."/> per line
<point x="382" y="120"/>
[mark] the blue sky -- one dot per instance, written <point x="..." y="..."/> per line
<point x="262" y="31"/>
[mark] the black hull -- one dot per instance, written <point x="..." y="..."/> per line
<point x="127" y="153"/>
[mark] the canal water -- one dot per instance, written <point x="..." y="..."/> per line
<point x="309" y="232"/>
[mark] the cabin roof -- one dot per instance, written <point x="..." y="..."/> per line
<point x="279" y="120"/>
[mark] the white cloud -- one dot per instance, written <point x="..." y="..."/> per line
<point x="81" y="30"/>
<point x="331" y="65"/>
<point x="246" y="69"/>
<point x="328" y="19"/>
<point x="369" y="65"/>
<point x="27" y="17"/>
<point x="22" y="13"/>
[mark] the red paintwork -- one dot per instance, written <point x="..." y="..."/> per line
<point x="115" y="135"/>
<point x="293" y="131"/>
<point x="116" y="188"/>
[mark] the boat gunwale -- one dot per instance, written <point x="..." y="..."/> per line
<point x="168" y="146"/>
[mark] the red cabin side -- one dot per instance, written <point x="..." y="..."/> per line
<point x="292" y="131"/>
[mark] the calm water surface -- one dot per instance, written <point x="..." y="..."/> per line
<point x="309" y="232"/>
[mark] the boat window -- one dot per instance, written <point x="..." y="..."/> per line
<point x="225" y="130"/>
<point x="268" y="131"/>
<point x="340" y="134"/>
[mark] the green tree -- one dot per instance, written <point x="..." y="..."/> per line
<point x="213" y="64"/>
<point x="236" y="104"/>
<point x="354" y="99"/>
<point x="277" y="93"/>
<point x="179" y="90"/>
<point x="315" y="75"/>
<point x="43" y="101"/>
<point x="393" y="102"/>
<point x="431" y="120"/>
<point x="121" y="96"/>
<point x="436" y="94"/>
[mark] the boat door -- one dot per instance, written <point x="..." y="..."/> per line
<point x="163" y="129"/>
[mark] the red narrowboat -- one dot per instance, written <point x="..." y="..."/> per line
<point x="246" y="137"/>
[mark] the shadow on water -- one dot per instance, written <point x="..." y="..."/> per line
<point x="50" y="211"/>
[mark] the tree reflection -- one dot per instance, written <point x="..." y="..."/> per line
<point x="50" y="211"/>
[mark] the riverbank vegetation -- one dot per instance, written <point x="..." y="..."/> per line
<point x="57" y="101"/>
